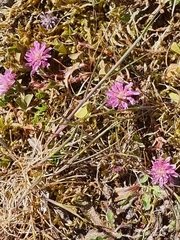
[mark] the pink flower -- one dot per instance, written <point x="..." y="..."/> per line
<point x="48" y="21"/>
<point x="162" y="171"/>
<point x="120" y="95"/>
<point x="6" y="81"/>
<point x="38" y="56"/>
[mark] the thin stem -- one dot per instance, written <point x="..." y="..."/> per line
<point x="63" y="126"/>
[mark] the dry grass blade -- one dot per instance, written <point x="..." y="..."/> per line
<point x="63" y="126"/>
<point x="68" y="208"/>
<point x="82" y="138"/>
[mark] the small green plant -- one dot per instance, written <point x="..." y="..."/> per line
<point x="89" y="120"/>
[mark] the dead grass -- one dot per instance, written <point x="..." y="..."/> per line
<point x="90" y="180"/>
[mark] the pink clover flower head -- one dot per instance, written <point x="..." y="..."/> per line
<point x="162" y="171"/>
<point x="120" y="95"/>
<point x="6" y="81"/>
<point x="48" y="21"/>
<point x="38" y="56"/>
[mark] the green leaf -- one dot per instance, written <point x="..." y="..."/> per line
<point x="28" y="98"/>
<point x="59" y="46"/>
<point x="62" y="49"/>
<point x="83" y="112"/>
<point x="3" y="101"/>
<point x="36" y="119"/>
<point x="172" y="225"/>
<point x="175" y="97"/>
<point x="24" y="101"/>
<point x="4" y="162"/>
<point x="157" y="191"/>
<point x="176" y="2"/>
<point x="22" y="104"/>
<point x="137" y="138"/>
<point x="12" y="49"/>
<point x="41" y="109"/>
<point x="125" y="18"/>
<point x="40" y="94"/>
<point x="146" y="200"/>
<point x="144" y="178"/>
<point x="110" y="218"/>
<point x="175" y="48"/>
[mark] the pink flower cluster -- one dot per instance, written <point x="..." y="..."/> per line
<point x="162" y="171"/>
<point x="38" y="56"/>
<point x="120" y="95"/>
<point x="6" y="81"/>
